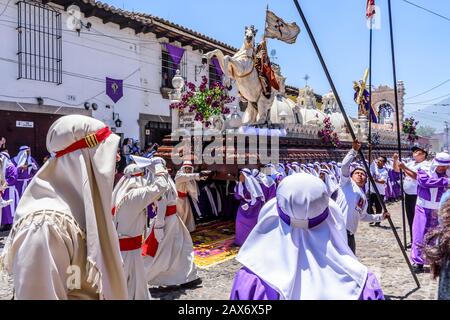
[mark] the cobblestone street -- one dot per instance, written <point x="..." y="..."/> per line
<point x="376" y="247"/>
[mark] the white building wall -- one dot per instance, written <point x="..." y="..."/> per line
<point x="104" y="51"/>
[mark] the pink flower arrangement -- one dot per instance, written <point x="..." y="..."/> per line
<point x="409" y="128"/>
<point x="327" y="133"/>
<point x="204" y="102"/>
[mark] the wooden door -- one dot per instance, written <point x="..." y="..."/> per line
<point x="25" y="128"/>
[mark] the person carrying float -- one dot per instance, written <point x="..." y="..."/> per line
<point x="131" y="197"/>
<point x="168" y="250"/>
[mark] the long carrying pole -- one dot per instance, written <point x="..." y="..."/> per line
<point x="397" y="116"/>
<point x="352" y="133"/>
<point x="369" y="138"/>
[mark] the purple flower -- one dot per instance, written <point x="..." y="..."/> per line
<point x="215" y="104"/>
<point x="191" y="86"/>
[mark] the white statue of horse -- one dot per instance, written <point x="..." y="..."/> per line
<point x="240" y="68"/>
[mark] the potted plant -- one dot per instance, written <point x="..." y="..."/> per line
<point x="208" y="104"/>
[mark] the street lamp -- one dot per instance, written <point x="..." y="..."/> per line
<point x="175" y="96"/>
<point x="235" y="120"/>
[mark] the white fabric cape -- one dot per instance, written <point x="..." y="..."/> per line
<point x="303" y="264"/>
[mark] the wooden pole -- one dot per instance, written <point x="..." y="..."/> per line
<point x="397" y="116"/>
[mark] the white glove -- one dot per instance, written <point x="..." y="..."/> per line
<point x="158" y="166"/>
<point x="5" y="203"/>
<point x="159" y="234"/>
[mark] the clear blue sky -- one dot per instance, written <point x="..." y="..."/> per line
<point x="422" y="41"/>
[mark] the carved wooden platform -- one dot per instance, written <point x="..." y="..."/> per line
<point x="230" y="158"/>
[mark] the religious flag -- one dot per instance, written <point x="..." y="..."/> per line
<point x="114" y="89"/>
<point x="276" y="28"/>
<point x="370" y="10"/>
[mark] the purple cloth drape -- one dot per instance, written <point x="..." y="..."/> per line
<point x="248" y="286"/>
<point x="216" y="64"/>
<point x="175" y="53"/>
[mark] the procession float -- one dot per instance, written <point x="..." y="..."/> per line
<point x="271" y="122"/>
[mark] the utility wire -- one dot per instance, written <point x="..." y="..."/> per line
<point x="6" y="7"/>
<point x="428" y="10"/>
<point x="425" y="92"/>
<point x="66" y="103"/>
<point x="431" y="100"/>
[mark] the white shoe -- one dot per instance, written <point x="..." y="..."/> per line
<point x="5" y="203"/>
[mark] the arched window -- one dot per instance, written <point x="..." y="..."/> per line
<point x="385" y="113"/>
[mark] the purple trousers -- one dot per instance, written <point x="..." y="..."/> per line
<point x="424" y="221"/>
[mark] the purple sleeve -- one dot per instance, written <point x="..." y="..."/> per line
<point x="372" y="289"/>
<point x="248" y="286"/>
<point x="237" y="196"/>
<point x="425" y="181"/>
<point x="11" y="174"/>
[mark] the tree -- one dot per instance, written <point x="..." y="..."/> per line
<point x="426" y="131"/>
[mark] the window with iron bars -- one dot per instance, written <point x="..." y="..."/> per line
<point x="169" y="69"/>
<point x="213" y="75"/>
<point x="39" y="42"/>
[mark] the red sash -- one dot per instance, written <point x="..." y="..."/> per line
<point x="182" y="194"/>
<point x="128" y="244"/>
<point x="150" y="245"/>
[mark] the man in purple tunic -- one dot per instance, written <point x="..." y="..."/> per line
<point x="409" y="182"/>
<point x="268" y="185"/>
<point x="26" y="168"/>
<point x="432" y="184"/>
<point x="7" y="191"/>
<point x="309" y="258"/>
<point x="251" y="197"/>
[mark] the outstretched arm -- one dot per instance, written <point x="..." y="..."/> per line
<point x="408" y="171"/>
<point x="396" y="167"/>
<point x="186" y="177"/>
<point x="351" y="155"/>
<point x="141" y="198"/>
<point x="424" y="180"/>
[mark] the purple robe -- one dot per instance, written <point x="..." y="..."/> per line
<point x="269" y="192"/>
<point x="388" y="191"/>
<point x="395" y="181"/>
<point x="10" y="194"/>
<point x="23" y="177"/>
<point x="430" y="190"/>
<point x="246" y="219"/>
<point x="248" y="286"/>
